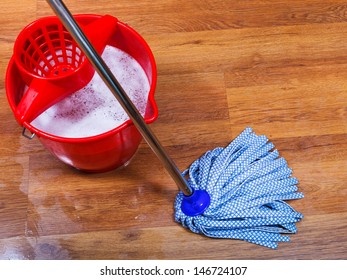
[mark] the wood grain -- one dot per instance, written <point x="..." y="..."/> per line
<point x="277" y="66"/>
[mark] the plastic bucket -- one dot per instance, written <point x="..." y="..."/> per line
<point x="108" y="150"/>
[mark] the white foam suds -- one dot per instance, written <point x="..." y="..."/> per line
<point x="94" y="110"/>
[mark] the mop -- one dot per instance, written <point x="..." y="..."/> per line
<point x="236" y="192"/>
<point x="247" y="183"/>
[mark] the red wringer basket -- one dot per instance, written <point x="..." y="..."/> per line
<point x="52" y="65"/>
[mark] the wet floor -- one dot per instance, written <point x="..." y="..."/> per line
<point x="280" y="69"/>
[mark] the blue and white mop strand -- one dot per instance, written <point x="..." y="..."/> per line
<point x="247" y="183"/>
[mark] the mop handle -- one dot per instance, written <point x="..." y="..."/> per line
<point x="100" y="66"/>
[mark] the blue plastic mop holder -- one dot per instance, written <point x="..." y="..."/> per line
<point x="196" y="203"/>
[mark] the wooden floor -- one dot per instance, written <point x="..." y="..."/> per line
<point x="277" y="66"/>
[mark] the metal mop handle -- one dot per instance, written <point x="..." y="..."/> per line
<point x="99" y="65"/>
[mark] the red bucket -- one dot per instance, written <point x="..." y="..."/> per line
<point x="108" y="150"/>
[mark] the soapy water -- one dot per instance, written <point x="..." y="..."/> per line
<point x="93" y="109"/>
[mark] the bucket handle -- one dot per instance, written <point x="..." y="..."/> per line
<point x="27" y="135"/>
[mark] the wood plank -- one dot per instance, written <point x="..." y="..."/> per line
<point x="152" y="17"/>
<point x="139" y="244"/>
<point x="300" y="98"/>
<point x="247" y="48"/>
<point x="13" y="195"/>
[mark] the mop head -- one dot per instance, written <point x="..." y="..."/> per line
<point x="247" y="183"/>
